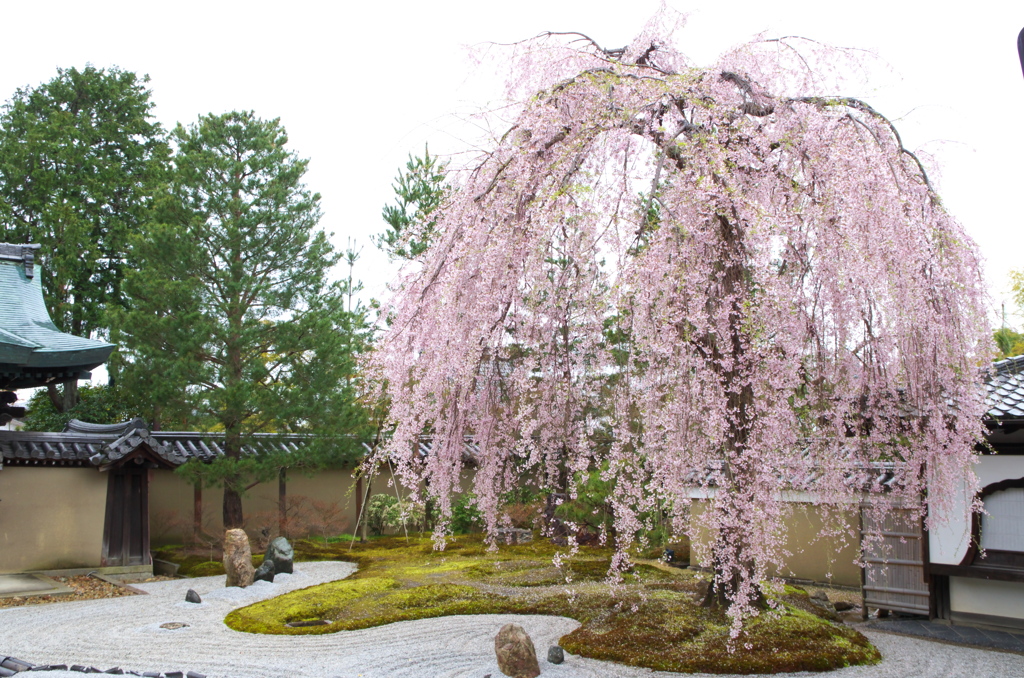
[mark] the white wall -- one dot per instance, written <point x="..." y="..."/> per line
<point x="950" y="537"/>
<point x="988" y="597"/>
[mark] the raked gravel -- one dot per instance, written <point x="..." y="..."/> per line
<point x="125" y="632"/>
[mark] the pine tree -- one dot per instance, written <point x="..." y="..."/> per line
<point x="235" y="323"/>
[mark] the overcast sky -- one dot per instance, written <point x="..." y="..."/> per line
<point x="358" y="87"/>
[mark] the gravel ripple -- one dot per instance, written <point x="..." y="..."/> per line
<point x="126" y="632"/>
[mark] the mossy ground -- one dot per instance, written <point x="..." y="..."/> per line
<point x="649" y="620"/>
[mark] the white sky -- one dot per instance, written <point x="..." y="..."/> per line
<point x="358" y="87"/>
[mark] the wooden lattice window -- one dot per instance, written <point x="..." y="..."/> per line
<point x="1000" y="532"/>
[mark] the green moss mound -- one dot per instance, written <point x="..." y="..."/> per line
<point x="650" y="620"/>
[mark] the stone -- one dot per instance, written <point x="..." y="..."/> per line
<point x="116" y="671"/>
<point x="842" y="606"/>
<point x="513" y="535"/>
<point x="556" y="655"/>
<point x="516" y="655"/>
<point x="820" y="595"/>
<point x="194" y="674"/>
<point x="281" y="554"/>
<point x="237" y="559"/>
<point x="15" y="664"/>
<point x="174" y="625"/>
<point x="265" y="572"/>
<point x="192" y="597"/>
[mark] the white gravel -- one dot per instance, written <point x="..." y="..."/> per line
<point x="126" y="632"/>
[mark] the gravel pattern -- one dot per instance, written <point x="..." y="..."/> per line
<point x="127" y="633"/>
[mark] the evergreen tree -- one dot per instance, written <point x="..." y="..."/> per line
<point x="80" y="156"/>
<point x="419" y="191"/>
<point x="235" y="325"/>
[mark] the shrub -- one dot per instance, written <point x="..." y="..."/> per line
<point x="386" y="512"/>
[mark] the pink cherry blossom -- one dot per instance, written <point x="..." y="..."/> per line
<point x="795" y="313"/>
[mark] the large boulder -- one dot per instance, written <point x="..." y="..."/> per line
<point x="281" y="554"/>
<point x="516" y="654"/>
<point x="237" y="559"/>
<point x="265" y="572"/>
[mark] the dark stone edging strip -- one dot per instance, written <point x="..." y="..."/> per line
<point x="10" y="666"/>
<point x="987" y="639"/>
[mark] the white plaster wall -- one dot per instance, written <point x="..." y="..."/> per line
<point x="984" y="596"/>
<point x="950" y="533"/>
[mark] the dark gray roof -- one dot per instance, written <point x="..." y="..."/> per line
<point x="33" y="352"/>
<point x="1005" y="387"/>
<point x="85" y="444"/>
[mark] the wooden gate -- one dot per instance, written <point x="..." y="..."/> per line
<point x="126" y="526"/>
<point x="894" y="577"/>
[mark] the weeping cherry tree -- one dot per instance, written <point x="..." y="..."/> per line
<point x="715" y="284"/>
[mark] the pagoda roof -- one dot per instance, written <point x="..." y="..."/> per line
<point x="33" y="352"/>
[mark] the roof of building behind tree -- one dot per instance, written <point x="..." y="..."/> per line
<point x="33" y="352"/>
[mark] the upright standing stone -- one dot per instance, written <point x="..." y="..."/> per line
<point x="237" y="559"/>
<point x="516" y="654"/>
<point x="280" y="552"/>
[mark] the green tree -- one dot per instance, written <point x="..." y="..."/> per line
<point x="234" y="322"/>
<point x="80" y="157"/>
<point x="419" y="190"/>
<point x="1008" y="342"/>
<point x="96" y="404"/>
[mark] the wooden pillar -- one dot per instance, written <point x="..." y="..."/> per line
<point x="282" y="502"/>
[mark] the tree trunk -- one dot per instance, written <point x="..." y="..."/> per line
<point x="282" y="502"/>
<point x="197" y="512"/>
<point x="728" y="357"/>
<point x="65" y="398"/>
<point x="233" y="517"/>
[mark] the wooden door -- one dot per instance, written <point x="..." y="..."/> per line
<point x="894" y="576"/>
<point x="126" y="527"/>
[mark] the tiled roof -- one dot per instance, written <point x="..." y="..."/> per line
<point x="85" y="444"/>
<point x="1006" y="389"/>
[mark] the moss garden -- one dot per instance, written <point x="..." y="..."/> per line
<point x="651" y="620"/>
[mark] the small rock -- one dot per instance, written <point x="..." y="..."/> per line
<point x="192" y="597"/>
<point x="237" y="559"/>
<point x="193" y="674"/>
<point x="78" y="668"/>
<point x="15" y="664"/>
<point x="116" y="671"/>
<point x="516" y="654"/>
<point x="265" y="572"/>
<point x="175" y="674"/>
<point x="174" y="625"/>
<point x="842" y="606"/>
<point x="556" y="655"/>
<point x="280" y="552"/>
<point x="819" y="595"/>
